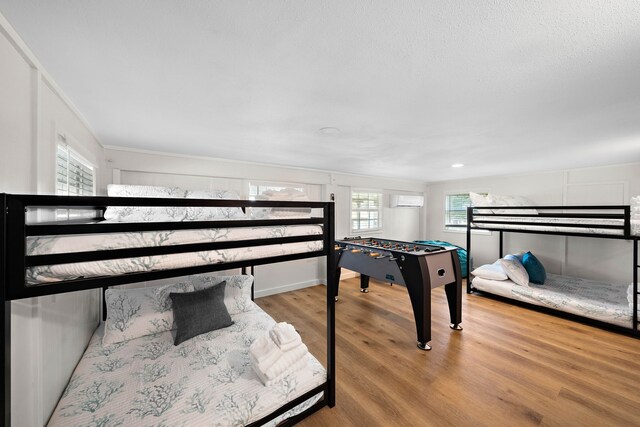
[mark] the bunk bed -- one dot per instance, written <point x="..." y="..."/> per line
<point x="43" y="257"/>
<point x="601" y="304"/>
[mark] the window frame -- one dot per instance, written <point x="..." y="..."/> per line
<point x="379" y="211"/>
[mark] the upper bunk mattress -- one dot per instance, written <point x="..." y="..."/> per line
<point x="546" y="224"/>
<point x="205" y="381"/>
<point x="606" y="302"/>
<point x="43" y="245"/>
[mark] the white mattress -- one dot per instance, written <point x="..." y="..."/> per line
<point x="205" y="381"/>
<point x="590" y="229"/>
<point x="96" y="242"/>
<point x="588" y="298"/>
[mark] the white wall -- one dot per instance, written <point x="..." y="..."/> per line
<point x="49" y="334"/>
<point x="584" y="257"/>
<point x="140" y="167"/>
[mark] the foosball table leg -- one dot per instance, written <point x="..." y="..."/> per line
<point x="424" y="346"/>
<point x="364" y="283"/>
<point x="455" y="326"/>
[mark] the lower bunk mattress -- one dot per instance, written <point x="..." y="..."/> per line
<point x="601" y="301"/>
<point x="205" y="381"/>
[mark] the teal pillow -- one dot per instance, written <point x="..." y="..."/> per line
<point x="534" y="267"/>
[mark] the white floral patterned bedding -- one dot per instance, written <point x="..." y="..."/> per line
<point x="205" y="381"/>
<point x="590" y="229"/>
<point x="588" y="298"/>
<point x="77" y="243"/>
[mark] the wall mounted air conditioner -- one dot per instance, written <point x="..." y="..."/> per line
<point x="406" y="201"/>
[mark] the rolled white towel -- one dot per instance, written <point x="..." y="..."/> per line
<point x="300" y="364"/>
<point x="635" y="201"/>
<point x="281" y="365"/>
<point x="264" y="352"/>
<point x="285" y="336"/>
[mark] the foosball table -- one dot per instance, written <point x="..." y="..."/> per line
<point x="419" y="267"/>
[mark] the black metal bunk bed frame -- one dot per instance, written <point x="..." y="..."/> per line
<point x="495" y="222"/>
<point x="13" y="262"/>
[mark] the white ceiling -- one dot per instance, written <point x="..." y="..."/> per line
<point x="414" y="86"/>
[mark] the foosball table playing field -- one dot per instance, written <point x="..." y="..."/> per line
<point x="419" y="267"/>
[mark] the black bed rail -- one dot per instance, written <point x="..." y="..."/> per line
<point x="555" y="224"/>
<point x="635" y="289"/>
<point x="15" y="229"/>
<point x="490" y="221"/>
<point x="108" y="254"/>
<point x="5" y="320"/>
<point x="102" y="202"/>
<point x="76" y="227"/>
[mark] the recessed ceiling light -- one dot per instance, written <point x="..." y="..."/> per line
<point x="329" y="130"/>
<point x="457" y="165"/>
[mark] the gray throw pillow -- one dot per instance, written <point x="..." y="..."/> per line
<point x="198" y="312"/>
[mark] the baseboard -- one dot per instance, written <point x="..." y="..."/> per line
<point x="346" y="274"/>
<point x="286" y="288"/>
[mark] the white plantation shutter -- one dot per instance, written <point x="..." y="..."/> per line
<point x="366" y="211"/>
<point x="74" y="175"/>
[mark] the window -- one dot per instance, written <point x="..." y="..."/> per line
<point x="366" y="211"/>
<point x="256" y="189"/>
<point x="455" y="211"/>
<point x="74" y="175"/>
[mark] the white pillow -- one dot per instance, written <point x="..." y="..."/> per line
<point x="515" y="271"/>
<point x="237" y="292"/>
<point x="142" y="213"/>
<point x="491" y="272"/>
<point x="134" y="313"/>
<point x="479" y="200"/>
<point x="496" y="200"/>
<point x="201" y="213"/>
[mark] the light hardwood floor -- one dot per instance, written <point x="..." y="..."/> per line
<point x="510" y="366"/>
